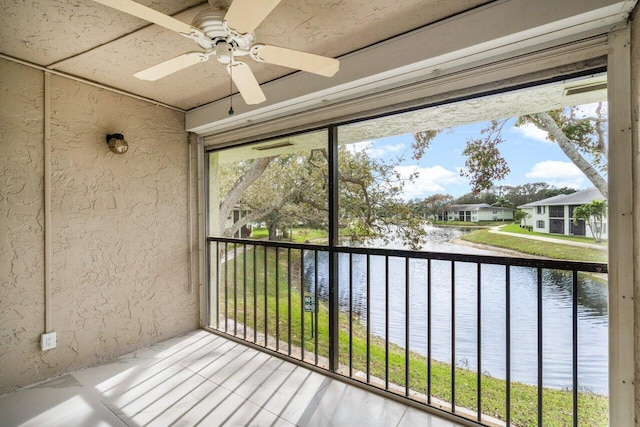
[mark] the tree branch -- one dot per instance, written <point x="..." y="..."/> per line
<point x="238" y="188"/>
<point x="547" y="123"/>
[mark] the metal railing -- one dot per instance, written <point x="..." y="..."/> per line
<point x="399" y="315"/>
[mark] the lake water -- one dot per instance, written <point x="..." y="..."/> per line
<point x="556" y="307"/>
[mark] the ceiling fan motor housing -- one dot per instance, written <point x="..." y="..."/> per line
<point x="220" y="37"/>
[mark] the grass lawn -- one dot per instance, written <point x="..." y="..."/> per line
<point x="284" y="306"/>
<point x="534" y="247"/>
<point x="515" y="228"/>
<point x="300" y="235"/>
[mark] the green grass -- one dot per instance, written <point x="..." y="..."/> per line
<point x="300" y="235"/>
<point x="515" y="228"/>
<point x="593" y="409"/>
<point x="534" y="247"/>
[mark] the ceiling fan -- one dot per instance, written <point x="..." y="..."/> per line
<point x="226" y="36"/>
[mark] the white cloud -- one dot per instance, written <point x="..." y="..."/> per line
<point x="374" y="150"/>
<point x="429" y="180"/>
<point x="530" y="131"/>
<point x="560" y="174"/>
<point x="394" y="148"/>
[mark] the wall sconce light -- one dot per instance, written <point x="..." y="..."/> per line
<point x="117" y="144"/>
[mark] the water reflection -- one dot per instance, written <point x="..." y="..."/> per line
<point x="556" y="309"/>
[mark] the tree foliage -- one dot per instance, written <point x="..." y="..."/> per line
<point x="517" y="194"/>
<point x="293" y="189"/>
<point x="521" y="216"/>
<point x="593" y="215"/>
<point x="484" y="164"/>
<point x="431" y="207"/>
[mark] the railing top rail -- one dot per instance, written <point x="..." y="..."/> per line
<point x="589" y="267"/>
<point x="270" y="243"/>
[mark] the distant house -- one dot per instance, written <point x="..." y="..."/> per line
<point x="555" y="214"/>
<point x="477" y="212"/>
<point x="234" y="216"/>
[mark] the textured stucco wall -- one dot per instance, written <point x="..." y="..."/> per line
<point x="119" y="233"/>
<point x="21" y="222"/>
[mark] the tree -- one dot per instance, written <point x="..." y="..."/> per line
<point x="484" y="163"/>
<point x="521" y="217"/>
<point x="593" y="214"/>
<point x="557" y="191"/>
<point x="369" y="200"/>
<point x="582" y="139"/>
<point x="430" y="207"/>
<point x="234" y="180"/>
<point x="577" y="137"/>
<point x="292" y="188"/>
<point x="502" y="203"/>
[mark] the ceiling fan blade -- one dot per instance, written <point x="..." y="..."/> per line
<point x="148" y="14"/>
<point x="295" y="59"/>
<point x="171" y="66"/>
<point x="244" y="16"/>
<point x="246" y="83"/>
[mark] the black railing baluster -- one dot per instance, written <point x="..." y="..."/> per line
<point x="574" y="303"/>
<point x="453" y="337"/>
<point x="540" y="348"/>
<point x="317" y="306"/>
<point x="218" y="285"/>
<point x="235" y="289"/>
<point x="368" y="296"/>
<point x="244" y="291"/>
<point x="429" y="331"/>
<point x="266" y="297"/>
<point x="302" y="312"/>
<point x="508" y="341"/>
<point x="386" y="322"/>
<point x="406" y="326"/>
<point x="226" y="287"/>
<point x="255" y="295"/>
<point x="479" y="340"/>
<point x="350" y="315"/>
<point x="289" y="300"/>
<point x="277" y="299"/>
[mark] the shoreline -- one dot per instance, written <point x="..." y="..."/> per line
<point x="512" y="253"/>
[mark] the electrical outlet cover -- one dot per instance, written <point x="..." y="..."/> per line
<point x="48" y="341"/>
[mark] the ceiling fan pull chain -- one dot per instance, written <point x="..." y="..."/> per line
<point x="231" y="112"/>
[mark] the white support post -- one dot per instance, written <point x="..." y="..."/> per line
<point x="202" y="241"/>
<point x="214" y="229"/>
<point x="623" y="184"/>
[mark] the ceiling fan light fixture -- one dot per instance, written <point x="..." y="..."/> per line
<point x="224" y="52"/>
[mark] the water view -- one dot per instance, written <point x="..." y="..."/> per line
<point x="556" y="307"/>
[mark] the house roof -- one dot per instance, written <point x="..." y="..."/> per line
<point x="474" y="207"/>
<point x="578" y="198"/>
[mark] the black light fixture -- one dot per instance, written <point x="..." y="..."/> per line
<point x="117" y="144"/>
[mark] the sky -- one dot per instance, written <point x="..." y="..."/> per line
<point x="526" y="149"/>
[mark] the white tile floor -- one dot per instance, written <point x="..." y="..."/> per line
<point x="203" y="379"/>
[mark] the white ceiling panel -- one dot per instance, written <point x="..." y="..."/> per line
<point x="89" y="40"/>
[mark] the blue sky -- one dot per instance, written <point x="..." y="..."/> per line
<point x="531" y="157"/>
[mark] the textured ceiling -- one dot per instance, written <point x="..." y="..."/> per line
<point x="92" y="41"/>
